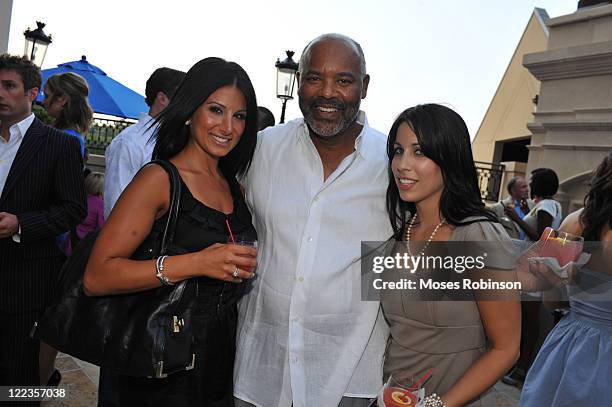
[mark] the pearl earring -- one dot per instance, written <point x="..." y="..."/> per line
<point x="187" y="123"/>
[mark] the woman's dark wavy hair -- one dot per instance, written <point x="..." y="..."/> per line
<point x="204" y="78"/>
<point x="443" y="138"/>
<point x="598" y="201"/>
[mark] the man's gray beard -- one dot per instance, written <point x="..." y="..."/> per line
<point x="326" y="131"/>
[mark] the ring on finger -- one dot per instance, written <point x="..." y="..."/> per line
<point x="236" y="271"/>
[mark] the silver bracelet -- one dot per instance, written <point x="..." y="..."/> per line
<point x="433" y="400"/>
<point x="159" y="268"/>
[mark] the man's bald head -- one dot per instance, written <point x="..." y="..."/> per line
<point x="332" y="80"/>
<point x="306" y="53"/>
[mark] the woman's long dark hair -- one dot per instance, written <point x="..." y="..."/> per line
<point x="443" y="138"/>
<point x="598" y="201"/>
<point x="204" y="78"/>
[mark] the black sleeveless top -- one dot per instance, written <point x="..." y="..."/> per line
<point x="214" y="312"/>
<point x="199" y="226"/>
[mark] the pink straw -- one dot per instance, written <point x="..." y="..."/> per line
<point x="230" y="231"/>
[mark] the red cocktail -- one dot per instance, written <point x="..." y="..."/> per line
<point x="402" y="390"/>
<point x="398" y="397"/>
<point x="562" y="246"/>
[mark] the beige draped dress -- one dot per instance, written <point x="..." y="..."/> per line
<point x="447" y="336"/>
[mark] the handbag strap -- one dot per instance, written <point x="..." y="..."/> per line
<point x="175" y="201"/>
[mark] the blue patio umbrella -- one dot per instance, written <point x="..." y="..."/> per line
<point x="106" y="95"/>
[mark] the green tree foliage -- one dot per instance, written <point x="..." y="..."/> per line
<point x="42" y="115"/>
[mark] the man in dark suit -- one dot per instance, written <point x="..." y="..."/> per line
<point x="42" y="195"/>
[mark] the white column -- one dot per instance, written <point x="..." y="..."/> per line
<point x="6" y="7"/>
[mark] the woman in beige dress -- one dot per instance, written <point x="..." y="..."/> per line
<point x="433" y="196"/>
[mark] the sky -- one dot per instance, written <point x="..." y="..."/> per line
<point x="417" y="51"/>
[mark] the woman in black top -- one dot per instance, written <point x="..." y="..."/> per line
<point x="208" y="132"/>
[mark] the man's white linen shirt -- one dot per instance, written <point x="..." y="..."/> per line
<point x="125" y="155"/>
<point x="305" y="337"/>
<point x="8" y="149"/>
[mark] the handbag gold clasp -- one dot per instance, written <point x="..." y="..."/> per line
<point x="177" y="323"/>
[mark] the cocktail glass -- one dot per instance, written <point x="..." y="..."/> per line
<point x="403" y="389"/>
<point x="243" y="241"/>
<point x="562" y="246"/>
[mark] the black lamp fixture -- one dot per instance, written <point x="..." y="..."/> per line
<point x="285" y="79"/>
<point x="36" y="43"/>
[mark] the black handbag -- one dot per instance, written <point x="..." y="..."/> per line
<point x="144" y="334"/>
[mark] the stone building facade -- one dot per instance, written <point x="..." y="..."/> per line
<point x="572" y="126"/>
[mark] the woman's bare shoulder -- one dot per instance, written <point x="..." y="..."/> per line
<point x="152" y="172"/>
<point x="149" y="188"/>
<point x="571" y="223"/>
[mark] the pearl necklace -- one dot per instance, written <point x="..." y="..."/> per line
<point x="409" y="228"/>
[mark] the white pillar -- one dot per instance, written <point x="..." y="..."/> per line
<point x="6" y="7"/>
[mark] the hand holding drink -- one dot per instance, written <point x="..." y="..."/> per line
<point x="552" y="255"/>
<point x="244" y="241"/>
<point x="562" y="246"/>
<point x="241" y="241"/>
<point x="524" y="206"/>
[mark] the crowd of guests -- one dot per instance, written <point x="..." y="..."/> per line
<point x="525" y="213"/>
<point x="566" y="370"/>
<point x="284" y="323"/>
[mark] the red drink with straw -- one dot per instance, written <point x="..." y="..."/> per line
<point x="242" y="241"/>
<point x="402" y="390"/>
<point x="562" y="246"/>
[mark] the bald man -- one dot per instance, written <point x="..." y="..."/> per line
<point x="316" y="189"/>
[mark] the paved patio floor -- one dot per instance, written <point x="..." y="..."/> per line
<point x="80" y="379"/>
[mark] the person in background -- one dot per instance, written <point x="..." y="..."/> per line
<point x="42" y="195"/>
<point x="265" y="118"/>
<point x="433" y="195"/>
<point x="518" y="200"/>
<point x="86" y="171"/>
<point x="66" y="101"/>
<point x="94" y="185"/>
<point x="574" y="364"/>
<point x="546" y="212"/>
<point x="132" y="148"/>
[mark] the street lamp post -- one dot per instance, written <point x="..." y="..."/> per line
<point x="36" y="43"/>
<point x="285" y="78"/>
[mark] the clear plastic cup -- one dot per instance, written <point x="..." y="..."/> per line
<point x="401" y="390"/>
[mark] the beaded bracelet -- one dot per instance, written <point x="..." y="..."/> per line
<point x="433" y="400"/>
